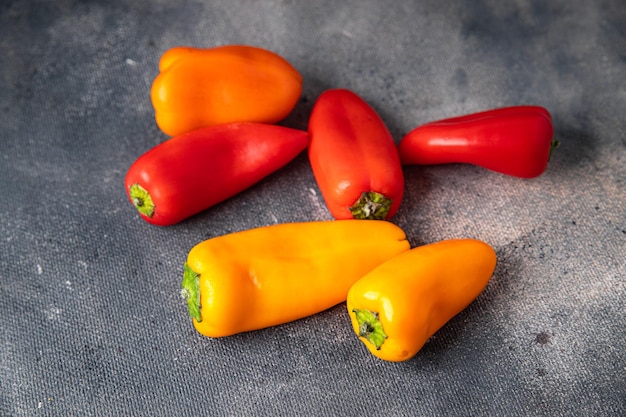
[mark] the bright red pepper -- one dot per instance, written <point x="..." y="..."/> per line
<point x="354" y="158"/>
<point x="194" y="171"/>
<point x="514" y="140"/>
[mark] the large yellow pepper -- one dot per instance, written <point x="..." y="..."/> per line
<point x="399" y="305"/>
<point x="234" y="83"/>
<point x="271" y="275"/>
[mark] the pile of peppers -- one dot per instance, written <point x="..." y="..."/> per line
<point x="220" y="106"/>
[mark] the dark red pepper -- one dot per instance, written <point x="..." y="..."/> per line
<point x="194" y="171"/>
<point x="514" y="140"/>
<point x="354" y="158"/>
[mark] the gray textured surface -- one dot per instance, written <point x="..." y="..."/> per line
<point x="91" y="322"/>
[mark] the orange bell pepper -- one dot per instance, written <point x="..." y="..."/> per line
<point x="271" y="275"/>
<point x="399" y="305"/>
<point x="234" y="83"/>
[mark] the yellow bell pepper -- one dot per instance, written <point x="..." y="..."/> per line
<point x="399" y="305"/>
<point x="271" y="275"/>
<point x="233" y="83"/>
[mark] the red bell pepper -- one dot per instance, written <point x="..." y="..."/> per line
<point x="516" y="141"/>
<point x="354" y="158"/>
<point x="194" y="171"/>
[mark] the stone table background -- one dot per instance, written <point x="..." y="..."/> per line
<point x="91" y="320"/>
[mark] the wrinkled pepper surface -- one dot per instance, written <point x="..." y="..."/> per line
<point x="515" y="140"/>
<point x="399" y="305"/>
<point x="191" y="172"/>
<point x="233" y="83"/>
<point x="271" y="275"/>
<point x="354" y="158"/>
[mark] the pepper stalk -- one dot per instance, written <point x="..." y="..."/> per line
<point x="191" y="292"/>
<point x="370" y="327"/>
<point x="371" y="206"/>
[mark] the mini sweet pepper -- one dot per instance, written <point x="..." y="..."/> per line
<point x="234" y="83"/>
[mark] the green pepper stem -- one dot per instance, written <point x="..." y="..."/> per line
<point x="370" y="327"/>
<point x="553" y="145"/>
<point x="142" y="200"/>
<point x="191" y="292"/>
<point x="371" y="206"/>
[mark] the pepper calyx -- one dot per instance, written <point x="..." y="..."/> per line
<point x="371" y="206"/>
<point x="370" y="327"/>
<point x="191" y="292"/>
<point x="553" y="145"/>
<point x="141" y="199"/>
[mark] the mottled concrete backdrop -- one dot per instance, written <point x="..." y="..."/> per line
<point x="91" y="320"/>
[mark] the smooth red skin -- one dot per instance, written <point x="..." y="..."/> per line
<point x="512" y="140"/>
<point x="352" y="152"/>
<point x="194" y="171"/>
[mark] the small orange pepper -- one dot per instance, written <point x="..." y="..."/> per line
<point x="271" y="275"/>
<point x="234" y="83"/>
<point x="399" y="305"/>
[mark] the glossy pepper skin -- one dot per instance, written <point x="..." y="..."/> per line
<point x="271" y="275"/>
<point x="399" y="305"/>
<point x="354" y="158"/>
<point x="233" y="83"/>
<point x="516" y="141"/>
<point x="194" y="171"/>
